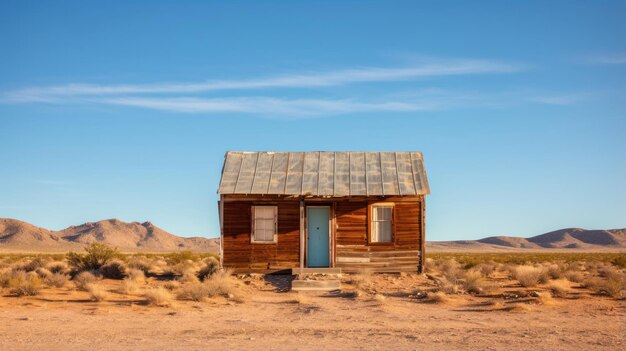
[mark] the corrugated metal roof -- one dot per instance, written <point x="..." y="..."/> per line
<point x="323" y="173"/>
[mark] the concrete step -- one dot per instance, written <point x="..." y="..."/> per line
<point x="313" y="270"/>
<point x="315" y="285"/>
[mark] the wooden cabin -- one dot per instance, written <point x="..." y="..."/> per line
<point x="350" y="210"/>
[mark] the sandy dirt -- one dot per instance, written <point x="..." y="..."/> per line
<point x="270" y="319"/>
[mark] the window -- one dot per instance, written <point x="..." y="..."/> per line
<point x="381" y="226"/>
<point x="264" y="224"/>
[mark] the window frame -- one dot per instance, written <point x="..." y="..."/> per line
<point x="370" y="220"/>
<point x="252" y="225"/>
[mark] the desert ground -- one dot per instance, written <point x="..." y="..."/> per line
<point x="185" y="301"/>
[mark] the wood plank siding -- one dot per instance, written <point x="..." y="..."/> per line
<point x="351" y="226"/>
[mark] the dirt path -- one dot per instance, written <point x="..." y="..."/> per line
<point x="274" y="321"/>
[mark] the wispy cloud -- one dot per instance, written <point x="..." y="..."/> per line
<point x="272" y="106"/>
<point x="56" y="94"/>
<point x="610" y="59"/>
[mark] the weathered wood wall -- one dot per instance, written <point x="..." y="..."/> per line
<point x="243" y="256"/>
<point x="352" y="250"/>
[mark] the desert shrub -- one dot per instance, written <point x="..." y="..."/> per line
<point x="554" y="271"/>
<point x="591" y="283"/>
<point x="528" y="275"/>
<point x="574" y="276"/>
<point x="42" y="272"/>
<point x="96" y="292"/>
<point x="438" y="297"/>
<point x="487" y="269"/>
<point x="113" y="269"/>
<point x="136" y="275"/>
<point x="449" y="287"/>
<point x="194" y="292"/>
<point x="97" y="256"/>
<point x="83" y="279"/>
<point x="620" y="261"/>
<point x="57" y="267"/>
<point x="37" y="262"/>
<point x="451" y="270"/>
<point x="189" y="276"/>
<point x="130" y="286"/>
<point x="612" y="285"/>
<point x="171" y="285"/>
<point x="220" y="283"/>
<point x="5" y="276"/>
<point x="473" y="281"/>
<point x="212" y="265"/>
<point x="142" y="263"/>
<point x="179" y="257"/>
<point x="56" y="280"/>
<point x="559" y="288"/>
<point x="21" y="283"/>
<point x="158" y="297"/>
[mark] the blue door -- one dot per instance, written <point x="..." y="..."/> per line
<point x="317" y="251"/>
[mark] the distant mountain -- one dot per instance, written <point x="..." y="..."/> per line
<point x="570" y="239"/>
<point x="16" y="235"/>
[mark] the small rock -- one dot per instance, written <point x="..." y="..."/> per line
<point x="25" y="319"/>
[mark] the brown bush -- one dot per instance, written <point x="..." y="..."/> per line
<point x="130" y="286"/>
<point x="438" y="297"/>
<point x="528" y="276"/>
<point x="142" y="263"/>
<point x="158" y="297"/>
<point x="114" y="269"/>
<point x="83" y="279"/>
<point x="56" y="280"/>
<point x="136" y="275"/>
<point x="96" y="292"/>
<point x="559" y="288"/>
<point x="473" y="281"/>
<point x="211" y="266"/>
<point x="57" y="267"/>
<point x="21" y="283"/>
<point x="612" y="285"/>
<point x="575" y="277"/>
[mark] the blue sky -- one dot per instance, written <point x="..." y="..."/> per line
<point x="125" y="109"/>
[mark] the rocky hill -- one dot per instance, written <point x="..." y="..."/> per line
<point x="16" y="235"/>
<point x="570" y="239"/>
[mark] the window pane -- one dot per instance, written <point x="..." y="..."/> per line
<point x="385" y="231"/>
<point x="382" y="223"/>
<point x="264" y="223"/>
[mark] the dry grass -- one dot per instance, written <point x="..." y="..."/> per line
<point x="528" y="276"/>
<point x="57" y="267"/>
<point x="21" y="283"/>
<point x="141" y="263"/>
<point x="559" y="288"/>
<point x="171" y="285"/>
<point x="220" y="283"/>
<point x="114" y="269"/>
<point x="83" y="279"/>
<point x="613" y="284"/>
<point x="474" y="281"/>
<point x="211" y="266"/>
<point x="158" y="297"/>
<point x="96" y="292"/>
<point x="574" y="276"/>
<point x="136" y="275"/>
<point x="56" y="280"/>
<point x="438" y="297"/>
<point x="130" y="286"/>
